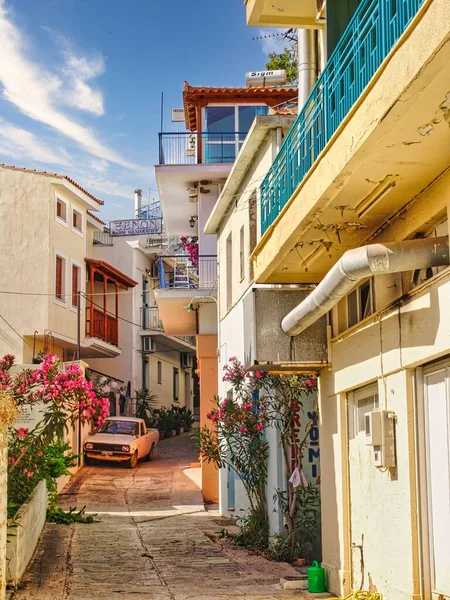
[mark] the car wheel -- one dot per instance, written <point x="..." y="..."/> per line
<point x="132" y="463"/>
<point x="149" y="456"/>
<point x="88" y="462"/>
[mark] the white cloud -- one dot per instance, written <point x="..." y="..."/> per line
<point x="270" y="42"/>
<point x="21" y="144"/>
<point x="34" y="91"/>
<point x="80" y="94"/>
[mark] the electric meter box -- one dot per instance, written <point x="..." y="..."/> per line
<point x="380" y="434"/>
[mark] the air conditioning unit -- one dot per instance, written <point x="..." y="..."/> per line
<point x="148" y="344"/>
<point x="186" y="360"/>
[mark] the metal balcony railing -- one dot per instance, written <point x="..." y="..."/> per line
<point x="199" y="148"/>
<point x="183" y="272"/>
<point x="189" y="339"/>
<point x="372" y="32"/>
<point x="150" y="318"/>
<point x="103" y="238"/>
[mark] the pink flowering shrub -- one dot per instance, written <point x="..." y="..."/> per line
<point x="65" y="397"/>
<point x="190" y="244"/>
<point x="235" y="438"/>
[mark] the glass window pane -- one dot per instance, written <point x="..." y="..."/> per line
<point x="220" y="119"/>
<point x="246" y="115"/>
<point x="366" y="300"/>
<point x="365" y="406"/>
<point x="352" y="304"/>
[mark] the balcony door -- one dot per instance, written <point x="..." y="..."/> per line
<point x="225" y="130"/>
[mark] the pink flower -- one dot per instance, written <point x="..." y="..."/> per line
<point x="22" y="432"/>
<point x="258" y="374"/>
<point x="259" y="427"/>
<point x="312" y="383"/>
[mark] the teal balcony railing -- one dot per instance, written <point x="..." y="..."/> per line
<point x="372" y="32"/>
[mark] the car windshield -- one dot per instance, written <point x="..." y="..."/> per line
<point x="120" y="427"/>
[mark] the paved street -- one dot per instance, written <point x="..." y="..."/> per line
<point x="155" y="540"/>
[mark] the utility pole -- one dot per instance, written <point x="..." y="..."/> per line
<point x="79" y="359"/>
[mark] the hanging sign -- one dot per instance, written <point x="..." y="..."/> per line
<point x="130" y="227"/>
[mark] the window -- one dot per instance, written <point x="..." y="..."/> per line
<point x="77" y="221"/>
<point x="241" y="254"/>
<point x="60" y="276"/>
<point x="360" y="303"/>
<point x="176" y="384"/>
<point x="419" y="276"/>
<point x="159" y="372"/>
<point x="61" y="211"/>
<point x="360" y="403"/>
<point x="229" y="267"/>
<point x="76" y="284"/>
<point x="226" y="128"/>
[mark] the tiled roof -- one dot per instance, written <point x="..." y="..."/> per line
<point x="195" y="97"/>
<point x="114" y="273"/>
<point x="58" y="175"/>
<point x="285" y="111"/>
<point x="96" y="218"/>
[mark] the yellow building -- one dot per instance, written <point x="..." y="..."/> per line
<point x="357" y="202"/>
<point x="50" y="283"/>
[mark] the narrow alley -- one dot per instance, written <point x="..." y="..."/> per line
<point x="154" y="540"/>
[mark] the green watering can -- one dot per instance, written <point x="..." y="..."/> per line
<point x="316" y="578"/>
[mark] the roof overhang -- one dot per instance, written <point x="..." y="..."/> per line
<point x="304" y="14"/>
<point x="116" y="275"/>
<point x="262" y="125"/>
<point x="197" y="97"/>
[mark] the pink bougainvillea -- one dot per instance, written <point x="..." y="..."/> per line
<point x="190" y="244"/>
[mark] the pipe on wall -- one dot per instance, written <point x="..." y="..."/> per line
<point x="359" y="263"/>
<point x="307" y="64"/>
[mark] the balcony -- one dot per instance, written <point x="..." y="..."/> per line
<point x="370" y="36"/>
<point x="103" y="327"/>
<point x="152" y="325"/>
<point x="150" y="318"/>
<point x="283" y="13"/>
<point x="199" y="148"/>
<point x="181" y="280"/>
<point x="182" y="272"/>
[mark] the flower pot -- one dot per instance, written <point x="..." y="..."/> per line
<point x="181" y="430"/>
<point x="187" y="429"/>
<point x="162" y="435"/>
<point x="168" y="433"/>
<point x="174" y="432"/>
<point x="299" y="562"/>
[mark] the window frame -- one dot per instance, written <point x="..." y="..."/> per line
<point x="176" y="385"/>
<point x="159" y="374"/>
<point x="77" y="265"/>
<point x="359" y="314"/>
<point x="75" y="229"/>
<point x="63" y="300"/>
<point x="242" y="254"/>
<point x="229" y="271"/>
<point x="353" y="399"/>
<point x="59" y="219"/>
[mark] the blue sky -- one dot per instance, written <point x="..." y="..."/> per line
<point x="81" y="82"/>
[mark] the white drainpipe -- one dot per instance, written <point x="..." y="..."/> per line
<point x="357" y="264"/>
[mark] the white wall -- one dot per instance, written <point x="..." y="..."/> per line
<point x="31" y="518"/>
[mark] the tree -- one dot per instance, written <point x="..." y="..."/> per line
<point x="286" y="60"/>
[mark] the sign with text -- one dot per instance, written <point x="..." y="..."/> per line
<point x="177" y="115"/>
<point x="130" y="227"/>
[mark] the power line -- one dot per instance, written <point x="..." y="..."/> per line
<point x="15" y="331"/>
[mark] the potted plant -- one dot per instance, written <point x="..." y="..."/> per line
<point x="161" y="422"/>
<point x="188" y="418"/>
<point x="145" y="402"/>
<point x="171" y="425"/>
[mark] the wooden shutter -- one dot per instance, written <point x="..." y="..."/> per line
<point x="58" y="209"/>
<point x="58" y="278"/>
<point x="75" y="290"/>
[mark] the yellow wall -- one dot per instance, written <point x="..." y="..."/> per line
<point x="207" y="357"/>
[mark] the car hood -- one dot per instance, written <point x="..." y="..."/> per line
<point x="111" y="438"/>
